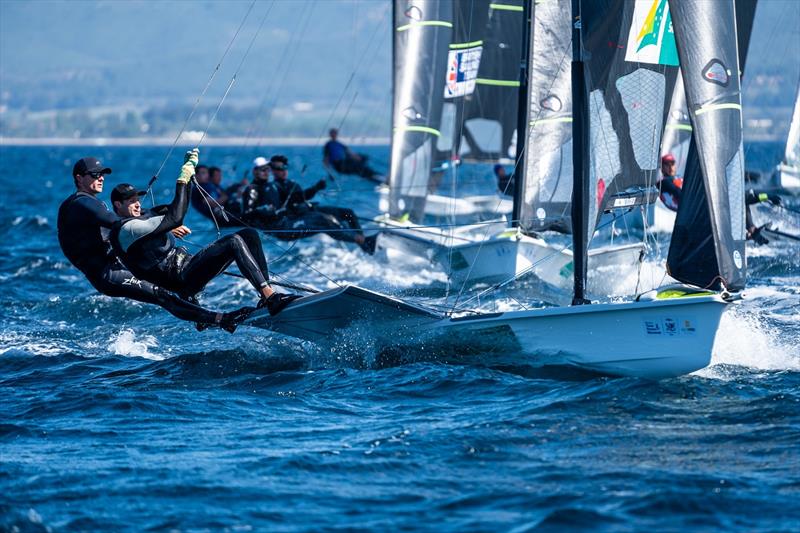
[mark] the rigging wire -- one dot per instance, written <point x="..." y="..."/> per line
<point x="199" y="98"/>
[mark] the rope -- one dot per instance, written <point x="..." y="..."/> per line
<point x="199" y="98"/>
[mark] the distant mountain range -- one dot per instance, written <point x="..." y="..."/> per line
<point x="135" y="67"/>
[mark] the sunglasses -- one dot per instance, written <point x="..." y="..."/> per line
<point x="94" y="175"/>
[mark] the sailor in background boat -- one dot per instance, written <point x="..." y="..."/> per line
<point x="213" y="199"/>
<point x="284" y="207"/>
<point x="751" y="197"/>
<point x="669" y="184"/>
<point x="84" y="223"/>
<point x="505" y="182"/>
<point x="145" y="243"/>
<point x="344" y="160"/>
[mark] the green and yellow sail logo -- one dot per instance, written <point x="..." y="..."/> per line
<point x="650" y="39"/>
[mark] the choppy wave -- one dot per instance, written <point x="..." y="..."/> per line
<point x="116" y="416"/>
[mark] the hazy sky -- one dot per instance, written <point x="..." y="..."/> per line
<point x="157" y="48"/>
<point x="308" y="48"/>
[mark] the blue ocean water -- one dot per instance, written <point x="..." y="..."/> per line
<point x="116" y="416"/>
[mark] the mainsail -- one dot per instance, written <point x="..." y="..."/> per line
<point x="630" y="78"/>
<point x="466" y="54"/>
<point x="545" y="172"/>
<point x="791" y="156"/>
<point x="707" y="247"/>
<point x="423" y="32"/>
<point x="490" y="114"/>
<point x="630" y="67"/>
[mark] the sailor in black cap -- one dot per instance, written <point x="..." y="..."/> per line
<point x="84" y="223"/>
<point x="145" y="243"/>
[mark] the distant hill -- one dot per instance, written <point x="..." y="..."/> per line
<point x="82" y="68"/>
<point x="63" y="54"/>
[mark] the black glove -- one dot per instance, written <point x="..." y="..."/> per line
<point x="757" y="237"/>
<point x="321" y="184"/>
<point x="774" y="199"/>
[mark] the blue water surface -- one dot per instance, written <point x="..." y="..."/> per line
<point x="117" y="416"/>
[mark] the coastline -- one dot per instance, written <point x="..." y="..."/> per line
<point x="167" y="141"/>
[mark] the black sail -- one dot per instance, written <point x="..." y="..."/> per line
<point x="630" y="78"/>
<point x="465" y="57"/>
<point x="630" y="67"/>
<point x="707" y="247"/>
<point x="490" y="114"/>
<point x="422" y="34"/>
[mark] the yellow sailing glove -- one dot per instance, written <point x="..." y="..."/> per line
<point x="191" y="159"/>
<point x="192" y="156"/>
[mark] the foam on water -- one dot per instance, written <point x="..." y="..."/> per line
<point x="745" y="338"/>
<point x="125" y="343"/>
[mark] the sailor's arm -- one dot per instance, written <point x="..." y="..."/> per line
<point x="309" y="193"/>
<point x="176" y="211"/>
<point x="668" y="186"/>
<point x="755" y="197"/>
<point x="93" y="211"/>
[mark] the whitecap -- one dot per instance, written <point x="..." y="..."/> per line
<point x="126" y="344"/>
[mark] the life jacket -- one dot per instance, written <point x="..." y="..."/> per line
<point x="669" y="200"/>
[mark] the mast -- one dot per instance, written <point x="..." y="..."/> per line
<point x="522" y="114"/>
<point x="580" y="163"/>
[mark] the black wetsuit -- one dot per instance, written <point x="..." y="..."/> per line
<point x="284" y="207"/>
<point x="84" y="223"/>
<point x="669" y="192"/>
<point x="344" y="162"/>
<point x="146" y="245"/>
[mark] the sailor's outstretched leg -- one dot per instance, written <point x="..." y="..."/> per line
<point x="347" y="218"/>
<point x="119" y="282"/>
<point x="212" y="260"/>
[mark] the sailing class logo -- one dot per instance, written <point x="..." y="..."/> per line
<point x="462" y="71"/>
<point x="414" y="13"/>
<point x="650" y="39"/>
<point x="715" y="72"/>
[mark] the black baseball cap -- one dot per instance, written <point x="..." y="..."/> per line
<point x="88" y="165"/>
<point x="278" y="162"/>
<point x="123" y="191"/>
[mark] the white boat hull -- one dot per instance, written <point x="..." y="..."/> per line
<point x="493" y="253"/>
<point x="651" y="339"/>
<point x="441" y="206"/>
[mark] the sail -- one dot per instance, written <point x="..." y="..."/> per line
<point x="490" y="114"/>
<point x="546" y="182"/>
<point x="466" y="54"/>
<point x="630" y="76"/>
<point x="422" y="34"/>
<point x="678" y="130"/>
<point x="707" y="247"/>
<point x="791" y="156"/>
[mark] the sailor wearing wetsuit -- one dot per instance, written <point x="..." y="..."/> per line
<point x="84" y="223"/>
<point x="284" y="206"/>
<point x="146" y="245"/>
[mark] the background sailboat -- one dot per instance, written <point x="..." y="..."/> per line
<point x="669" y="335"/>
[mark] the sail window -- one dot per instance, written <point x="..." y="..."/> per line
<point x="642" y="92"/>
<point x="488" y="134"/>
